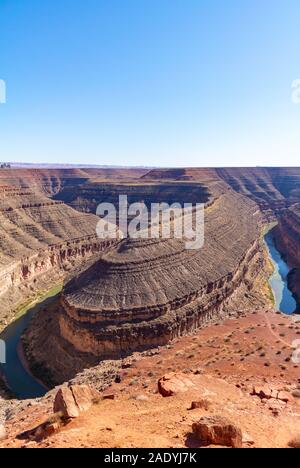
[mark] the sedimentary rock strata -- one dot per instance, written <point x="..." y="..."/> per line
<point x="87" y="197"/>
<point x="39" y="237"/>
<point x="145" y="293"/>
<point x="273" y="189"/>
<point x="287" y="238"/>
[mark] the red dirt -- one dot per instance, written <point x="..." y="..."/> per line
<point x="224" y="362"/>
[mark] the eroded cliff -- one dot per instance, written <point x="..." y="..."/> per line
<point x="40" y="240"/>
<point x="144" y="293"/>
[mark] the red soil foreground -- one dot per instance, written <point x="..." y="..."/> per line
<point x="224" y="361"/>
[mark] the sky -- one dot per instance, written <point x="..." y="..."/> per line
<point x="150" y="82"/>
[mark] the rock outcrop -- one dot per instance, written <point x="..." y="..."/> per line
<point x="144" y="293"/>
<point x="73" y="400"/>
<point x="171" y="384"/>
<point x="287" y="238"/>
<point x="216" y="430"/>
<point x="41" y="240"/>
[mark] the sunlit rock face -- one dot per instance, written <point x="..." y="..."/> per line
<point x="287" y="238"/>
<point x="40" y="239"/>
<point x="144" y="293"/>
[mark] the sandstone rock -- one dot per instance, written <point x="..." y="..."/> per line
<point x="2" y="432"/>
<point x="111" y="307"/>
<point x="71" y="401"/>
<point x="284" y="396"/>
<point x="64" y="403"/>
<point x="264" y="392"/>
<point x="83" y="396"/>
<point x="296" y="393"/>
<point x="173" y="383"/>
<point x="201" y="404"/>
<point x="109" y="396"/>
<point x="216" y="430"/>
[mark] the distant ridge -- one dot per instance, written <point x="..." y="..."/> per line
<point x="17" y="165"/>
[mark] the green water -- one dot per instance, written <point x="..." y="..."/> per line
<point x="25" y="386"/>
<point x="284" y="299"/>
<point x="18" y="379"/>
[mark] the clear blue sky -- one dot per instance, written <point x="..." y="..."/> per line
<point x="150" y="82"/>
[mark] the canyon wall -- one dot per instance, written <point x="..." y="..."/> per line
<point x="143" y="293"/>
<point x="40" y="240"/>
<point x="287" y="238"/>
<point x="273" y="189"/>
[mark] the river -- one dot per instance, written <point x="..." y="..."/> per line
<point x="17" y="377"/>
<point x="284" y="299"/>
<point x="25" y="386"/>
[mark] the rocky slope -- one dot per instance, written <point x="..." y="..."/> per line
<point x="40" y="240"/>
<point x="145" y="293"/>
<point x="88" y="196"/>
<point x="224" y="362"/>
<point x="52" y="181"/>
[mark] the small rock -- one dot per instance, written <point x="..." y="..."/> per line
<point x="64" y="403"/>
<point x="108" y="396"/>
<point x="264" y="392"/>
<point x="201" y="404"/>
<point x="173" y="383"/>
<point x="216" y="430"/>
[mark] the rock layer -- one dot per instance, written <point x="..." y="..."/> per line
<point x="287" y="237"/>
<point x="40" y="240"/>
<point x="144" y="293"/>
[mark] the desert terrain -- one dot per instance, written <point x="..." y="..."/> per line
<point x="132" y="314"/>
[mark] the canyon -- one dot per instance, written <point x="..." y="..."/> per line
<point x="124" y="298"/>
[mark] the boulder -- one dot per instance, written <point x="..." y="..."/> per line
<point x="173" y="383"/>
<point x="83" y="396"/>
<point x="71" y="401"/>
<point x="64" y="403"/>
<point x="217" y="430"/>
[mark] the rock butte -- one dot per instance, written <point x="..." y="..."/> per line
<point x="144" y="293"/>
<point x="140" y="294"/>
